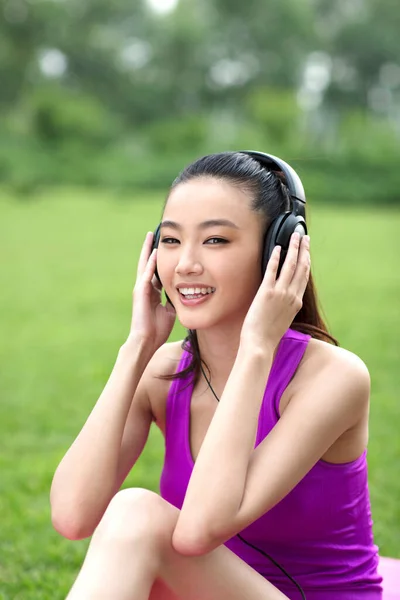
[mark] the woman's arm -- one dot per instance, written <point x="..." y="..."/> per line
<point x="117" y="428"/>
<point x="85" y="479"/>
<point x="232" y="483"/>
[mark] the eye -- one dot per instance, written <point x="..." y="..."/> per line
<point x="219" y="240"/>
<point x="169" y="241"/>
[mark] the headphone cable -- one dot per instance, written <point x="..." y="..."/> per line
<point x="303" y="596"/>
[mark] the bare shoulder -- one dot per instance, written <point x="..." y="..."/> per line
<point x="165" y="361"/>
<point x="334" y="364"/>
<point x="345" y="372"/>
<point x="320" y="354"/>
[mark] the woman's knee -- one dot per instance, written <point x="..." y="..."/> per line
<point x="138" y="514"/>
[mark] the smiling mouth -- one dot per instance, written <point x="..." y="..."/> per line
<point x="196" y="296"/>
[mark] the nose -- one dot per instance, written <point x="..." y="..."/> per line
<point x="188" y="263"/>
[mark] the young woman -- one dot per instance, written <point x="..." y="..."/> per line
<point x="265" y="455"/>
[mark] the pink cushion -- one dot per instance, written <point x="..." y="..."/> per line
<point x="389" y="568"/>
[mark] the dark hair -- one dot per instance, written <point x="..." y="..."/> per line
<point x="270" y="198"/>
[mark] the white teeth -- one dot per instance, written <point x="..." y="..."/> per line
<point x="192" y="291"/>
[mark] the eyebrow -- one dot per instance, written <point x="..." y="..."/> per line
<point x="203" y="225"/>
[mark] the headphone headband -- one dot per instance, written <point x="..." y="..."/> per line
<point x="292" y="180"/>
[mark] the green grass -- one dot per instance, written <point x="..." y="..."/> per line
<point x="68" y="266"/>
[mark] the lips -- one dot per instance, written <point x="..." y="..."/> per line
<point x="209" y="290"/>
<point x="186" y="301"/>
<point x="195" y="296"/>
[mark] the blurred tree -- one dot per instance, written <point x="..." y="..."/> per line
<point x="362" y="39"/>
<point x="145" y="65"/>
<point x="120" y="77"/>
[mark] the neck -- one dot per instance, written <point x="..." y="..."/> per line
<point x="219" y="353"/>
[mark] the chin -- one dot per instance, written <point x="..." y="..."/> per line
<point x="192" y="321"/>
<point x="207" y="321"/>
<point x="196" y="323"/>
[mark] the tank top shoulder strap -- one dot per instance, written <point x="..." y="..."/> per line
<point x="290" y="351"/>
<point x="178" y="397"/>
<point x="177" y="468"/>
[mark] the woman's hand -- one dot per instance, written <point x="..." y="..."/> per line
<point x="152" y="322"/>
<point x="278" y="300"/>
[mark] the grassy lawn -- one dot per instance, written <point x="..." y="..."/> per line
<point x="68" y="264"/>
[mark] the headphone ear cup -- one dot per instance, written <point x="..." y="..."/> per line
<point x="280" y="233"/>
<point x="156" y="238"/>
<point x="156" y="241"/>
<point x="270" y="242"/>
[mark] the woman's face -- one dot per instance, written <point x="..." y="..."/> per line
<point x="189" y="254"/>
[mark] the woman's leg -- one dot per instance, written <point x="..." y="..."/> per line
<point x="122" y="561"/>
<point x="131" y="557"/>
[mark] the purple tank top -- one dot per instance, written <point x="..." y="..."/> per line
<point x="321" y="532"/>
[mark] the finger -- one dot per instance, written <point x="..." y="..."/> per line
<point x="301" y="277"/>
<point x="150" y="267"/>
<point x="290" y="264"/>
<point x="144" y="254"/>
<point x="156" y="283"/>
<point x="272" y="267"/>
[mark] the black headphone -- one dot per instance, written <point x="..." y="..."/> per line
<point x="281" y="229"/>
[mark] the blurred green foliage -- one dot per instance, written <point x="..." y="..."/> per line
<point x="116" y="95"/>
